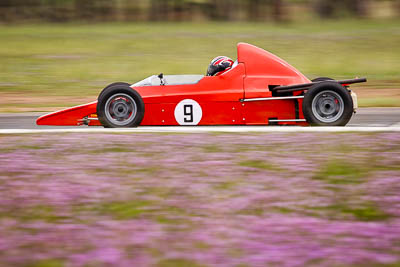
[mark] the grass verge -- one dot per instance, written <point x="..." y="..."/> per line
<point x="46" y="66"/>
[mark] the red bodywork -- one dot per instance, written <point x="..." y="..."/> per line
<point x="220" y="97"/>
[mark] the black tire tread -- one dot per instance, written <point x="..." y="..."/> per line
<point x="322" y="79"/>
<point x="113" y="84"/>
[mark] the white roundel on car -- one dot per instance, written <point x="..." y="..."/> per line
<point x="188" y="112"/>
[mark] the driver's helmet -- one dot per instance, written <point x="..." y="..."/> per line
<point x="219" y="65"/>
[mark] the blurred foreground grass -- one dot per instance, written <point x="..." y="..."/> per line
<point x="222" y="199"/>
<point x="47" y="66"/>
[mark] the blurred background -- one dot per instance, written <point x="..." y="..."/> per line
<point x="57" y="53"/>
<point x="192" y="10"/>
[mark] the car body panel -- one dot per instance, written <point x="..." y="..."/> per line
<point x="213" y="113"/>
<point x="70" y="116"/>
<point x="264" y="69"/>
<point x="260" y="112"/>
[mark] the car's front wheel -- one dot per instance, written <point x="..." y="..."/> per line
<point x="327" y="104"/>
<point x="120" y="106"/>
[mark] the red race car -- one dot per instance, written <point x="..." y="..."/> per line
<point x="258" y="88"/>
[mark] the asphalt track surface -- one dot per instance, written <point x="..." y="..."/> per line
<point x="366" y="119"/>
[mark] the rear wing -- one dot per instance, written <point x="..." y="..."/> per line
<point x="306" y="86"/>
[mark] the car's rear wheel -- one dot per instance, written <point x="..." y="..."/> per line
<point x="322" y="79"/>
<point x="120" y="106"/>
<point x="327" y="104"/>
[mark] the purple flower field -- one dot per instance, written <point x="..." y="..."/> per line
<point x="168" y="200"/>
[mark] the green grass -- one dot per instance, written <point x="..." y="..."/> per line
<point x="178" y="263"/>
<point x="78" y="60"/>
<point x="379" y="102"/>
<point x="47" y="263"/>
<point x="45" y="213"/>
<point x="341" y="172"/>
<point x="125" y="210"/>
<point x="259" y="164"/>
<point x="363" y="211"/>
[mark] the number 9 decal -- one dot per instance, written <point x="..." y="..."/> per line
<point x="188" y="112"/>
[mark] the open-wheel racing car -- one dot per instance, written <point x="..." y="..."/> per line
<point x="258" y="88"/>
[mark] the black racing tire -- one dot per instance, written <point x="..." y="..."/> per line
<point x="322" y="79"/>
<point x="119" y="105"/>
<point x="113" y="84"/>
<point x="327" y="104"/>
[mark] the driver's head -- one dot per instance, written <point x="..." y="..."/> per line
<point x="219" y="65"/>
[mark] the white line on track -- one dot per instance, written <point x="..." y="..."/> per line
<point x="205" y="129"/>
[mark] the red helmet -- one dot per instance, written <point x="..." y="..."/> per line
<point x="219" y="65"/>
